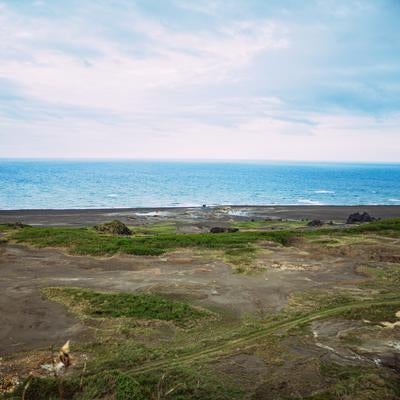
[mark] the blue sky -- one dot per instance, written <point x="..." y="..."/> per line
<point x="211" y="79"/>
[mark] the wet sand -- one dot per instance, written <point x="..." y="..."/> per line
<point x="211" y="215"/>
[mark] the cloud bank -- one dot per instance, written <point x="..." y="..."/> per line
<point x="200" y="80"/>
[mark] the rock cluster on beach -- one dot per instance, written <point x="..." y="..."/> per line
<point x="114" y="227"/>
<point x="357" y="218"/>
<point x="219" y="229"/>
<point x="315" y="223"/>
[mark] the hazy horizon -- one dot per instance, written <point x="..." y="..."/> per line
<point x="199" y="160"/>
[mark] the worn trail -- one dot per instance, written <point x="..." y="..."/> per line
<point x="253" y="338"/>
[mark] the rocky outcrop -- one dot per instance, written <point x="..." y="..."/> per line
<point x="16" y="225"/>
<point x="219" y="229"/>
<point x="315" y="223"/>
<point x="114" y="227"/>
<point x="359" y="218"/>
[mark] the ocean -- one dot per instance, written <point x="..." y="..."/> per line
<point x="59" y="184"/>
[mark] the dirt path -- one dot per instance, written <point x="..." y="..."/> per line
<point x="251" y="339"/>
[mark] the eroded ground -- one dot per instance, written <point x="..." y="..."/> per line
<point x="315" y="318"/>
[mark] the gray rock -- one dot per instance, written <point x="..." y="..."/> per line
<point x="359" y="218"/>
<point x="220" y="229"/>
<point x="315" y="223"/>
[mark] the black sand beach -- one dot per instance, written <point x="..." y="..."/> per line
<point x="85" y="217"/>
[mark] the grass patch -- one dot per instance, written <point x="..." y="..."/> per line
<point x="267" y="225"/>
<point x="241" y="258"/>
<point x="177" y="384"/>
<point x="314" y="300"/>
<point x="357" y="382"/>
<point x="88" y="241"/>
<point x="387" y="226"/>
<point x="155" y="229"/>
<point x="90" y="303"/>
<point x="373" y="313"/>
<point x="384" y="278"/>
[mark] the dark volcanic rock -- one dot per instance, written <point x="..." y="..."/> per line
<point x="219" y="229"/>
<point x="16" y="225"/>
<point x="315" y="223"/>
<point x="357" y="218"/>
<point x="115" y="227"/>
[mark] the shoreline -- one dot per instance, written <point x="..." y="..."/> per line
<point x="84" y="217"/>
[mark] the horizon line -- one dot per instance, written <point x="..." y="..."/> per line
<point x="219" y="160"/>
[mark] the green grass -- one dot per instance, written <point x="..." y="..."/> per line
<point x="267" y="225"/>
<point x="356" y="382"/>
<point x="90" y="303"/>
<point x="388" y="226"/>
<point x="241" y="257"/>
<point x="155" y="229"/>
<point x="384" y="278"/>
<point x="87" y="241"/>
<point x="118" y="368"/>
<point x="374" y="314"/>
<point x="177" y="384"/>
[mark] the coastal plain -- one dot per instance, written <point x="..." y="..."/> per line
<point x="278" y="309"/>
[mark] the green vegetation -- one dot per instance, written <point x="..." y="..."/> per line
<point x="155" y="229"/>
<point x="178" y="384"/>
<point x="385" y="278"/>
<point x="89" y="303"/>
<point x="240" y="248"/>
<point x="123" y="363"/>
<point x="374" y="313"/>
<point x="114" y="227"/>
<point x="384" y="226"/>
<point x="355" y="382"/>
<point x="268" y="224"/>
<point x="179" y="370"/>
<point x="241" y="257"/>
<point x="88" y="241"/>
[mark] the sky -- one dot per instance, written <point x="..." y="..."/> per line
<point x="206" y="79"/>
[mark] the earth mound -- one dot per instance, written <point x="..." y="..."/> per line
<point x="114" y="227"/>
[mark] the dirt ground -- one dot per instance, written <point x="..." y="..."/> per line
<point x="29" y="321"/>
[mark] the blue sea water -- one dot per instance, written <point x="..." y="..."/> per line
<point x="26" y="184"/>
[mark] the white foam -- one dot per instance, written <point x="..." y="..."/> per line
<point x="323" y="191"/>
<point x="112" y="195"/>
<point x="394" y="200"/>
<point x="310" y="202"/>
<point x="238" y="213"/>
<point x="152" y="214"/>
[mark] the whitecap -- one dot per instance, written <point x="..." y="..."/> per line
<point x="323" y="191"/>
<point x="310" y="202"/>
<point x="394" y="200"/>
<point x="112" y="195"/>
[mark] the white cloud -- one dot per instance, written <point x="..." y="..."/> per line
<point x="115" y="78"/>
<point x="130" y="85"/>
